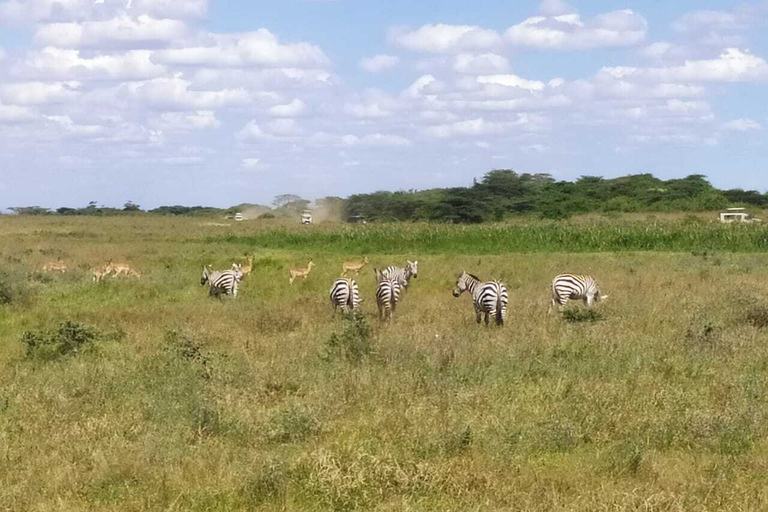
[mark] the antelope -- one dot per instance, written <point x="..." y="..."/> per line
<point x="55" y="266"/>
<point x="246" y="269"/>
<point x="99" y="273"/>
<point x="353" y="265"/>
<point x="121" y="268"/>
<point x="301" y="272"/>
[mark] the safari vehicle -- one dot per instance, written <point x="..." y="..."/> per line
<point x="732" y="215"/>
<point x="306" y="217"/>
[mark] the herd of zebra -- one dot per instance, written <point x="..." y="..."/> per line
<point x="489" y="298"/>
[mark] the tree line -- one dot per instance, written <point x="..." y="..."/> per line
<point x="500" y="194"/>
<point x="504" y="193"/>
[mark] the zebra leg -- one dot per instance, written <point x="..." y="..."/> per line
<point x="486" y="318"/>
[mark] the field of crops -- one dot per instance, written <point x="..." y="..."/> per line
<point x="146" y="394"/>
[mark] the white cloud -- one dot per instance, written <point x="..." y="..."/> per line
<point x="375" y="139"/>
<point x="292" y="109"/>
<point x="569" y="32"/>
<point x="733" y="65"/>
<point x="555" y="8"/>
<point x="511" y="81"/>
<point x="15" y="114"/>
<point x="367" y="110"/>
<point x="38" y="93"/>
<point x="742" y="125"/>
<point x="251" y="163"/>
<point x="443" y="38"/>
<point x="702" y="20"/>
<point x="120" y="30"/>
<point x="484" y="63"/>
<point x="186" y="121"/>
<point x="176" y="93"/>
<point x="44" y="10"/>
<point x="68" y="64"/>
<point x="471" y="127"/>
<point x="379" y="63"/>
<point x="259" y="48"/>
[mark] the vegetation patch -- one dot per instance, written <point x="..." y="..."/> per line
<point x="354" y="344"/>
<point x="14" y="288"/>
<point x="580" y="315"/>
<point x="69" y="338"/>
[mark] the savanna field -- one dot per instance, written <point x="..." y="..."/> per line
<point x="138" y="394"/>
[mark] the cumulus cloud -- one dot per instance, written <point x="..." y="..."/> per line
<point x="379" y="63"/>
<point x="375" y="139"/>
<point x="68" y="64"/>
<point x="733" y="65"/>
<point x="38" y="93"/>
<point x="176" y="93"/>
<point x="45" y="10"/>
<point x="472" y="64"/>
<point x="259" y="48"/>
<point x="742" y="125"/>
<point x="569" y="32"/>
<point x="292" y="109"/>
<point x="703" y="20"/>
<point x="511" y="81"/>
<point x="186" y="121"/>
<point x="15" y="114"/>
<point x="251" y="163"/>
<point x="443" y="38"/>
<point x="122" y="30"/>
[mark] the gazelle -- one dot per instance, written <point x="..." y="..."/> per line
<point x="356" y="266"/>
<point x="55" y="266"/>
<point x="246" y="269"/>
<point x="121" y="268"/>
<point x="301" y="272"/>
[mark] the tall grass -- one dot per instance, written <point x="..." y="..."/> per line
<point x="598" y="236"/>
<point x="270" y="402"/>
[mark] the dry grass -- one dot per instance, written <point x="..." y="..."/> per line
<point x="204" y="404"/>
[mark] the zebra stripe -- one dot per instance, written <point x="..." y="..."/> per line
<point x="387" y="297"/>
<point x="489" y="298"/>
<point x="222" y="282"/>
<point x="402" y="275"/>
<point x="345" y="295"/>
<point x="567" y="287"/>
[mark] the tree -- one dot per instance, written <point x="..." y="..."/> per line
<point x="130" y="206"/>
<point x="285" y="199"/>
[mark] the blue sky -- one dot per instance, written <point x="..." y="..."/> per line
<point x="220" y="102"/>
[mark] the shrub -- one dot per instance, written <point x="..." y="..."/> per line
<point x="13" y="289"/>
<point x="292" y="424"/>
<point x="68" y="338"/>
<point x="266" y="216"/>
<point x="576" y="315"/>
<point x="188" y="346"/>
<point x="354" y="343"/>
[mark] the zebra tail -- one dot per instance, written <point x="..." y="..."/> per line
<point x="499" y="315"/>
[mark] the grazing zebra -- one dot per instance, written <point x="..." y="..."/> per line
<point x="387" y="295"/>
<point x="570" y="286"/>
<point x="402" y="275"/>
<point x="345" y="295"/>
<point x="489" y="298"/>
<point x="222" y="282"/>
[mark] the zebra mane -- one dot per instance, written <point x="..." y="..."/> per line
<point x="473" y="276"/>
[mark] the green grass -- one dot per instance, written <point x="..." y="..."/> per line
<point x="269" y="402"/>
<point x="535" y="237"/>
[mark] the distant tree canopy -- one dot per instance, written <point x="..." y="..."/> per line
<point x="500" y="194"/>
<point x="503" y="193"/>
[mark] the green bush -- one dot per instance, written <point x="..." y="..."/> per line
<point x="577" y="315"/>
<point x="355" y="343"/>
<point x="68" y="338"/>
<point x="14" y="288"/>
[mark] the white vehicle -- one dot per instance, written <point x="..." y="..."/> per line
<point x="737" y="215"/>
<point x="306" y="217"/>
<point x="238" y="216"/>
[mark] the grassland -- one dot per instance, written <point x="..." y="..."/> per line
<point x="177" y="401"/>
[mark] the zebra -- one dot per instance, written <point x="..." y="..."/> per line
<point x="345" y="295"/>
<point x="402" y="275"/>
<point x="489" y="298"/>
<point x="387" y="295"/>
<point x="222" y="282"/>
<point x="576" y="287"/>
